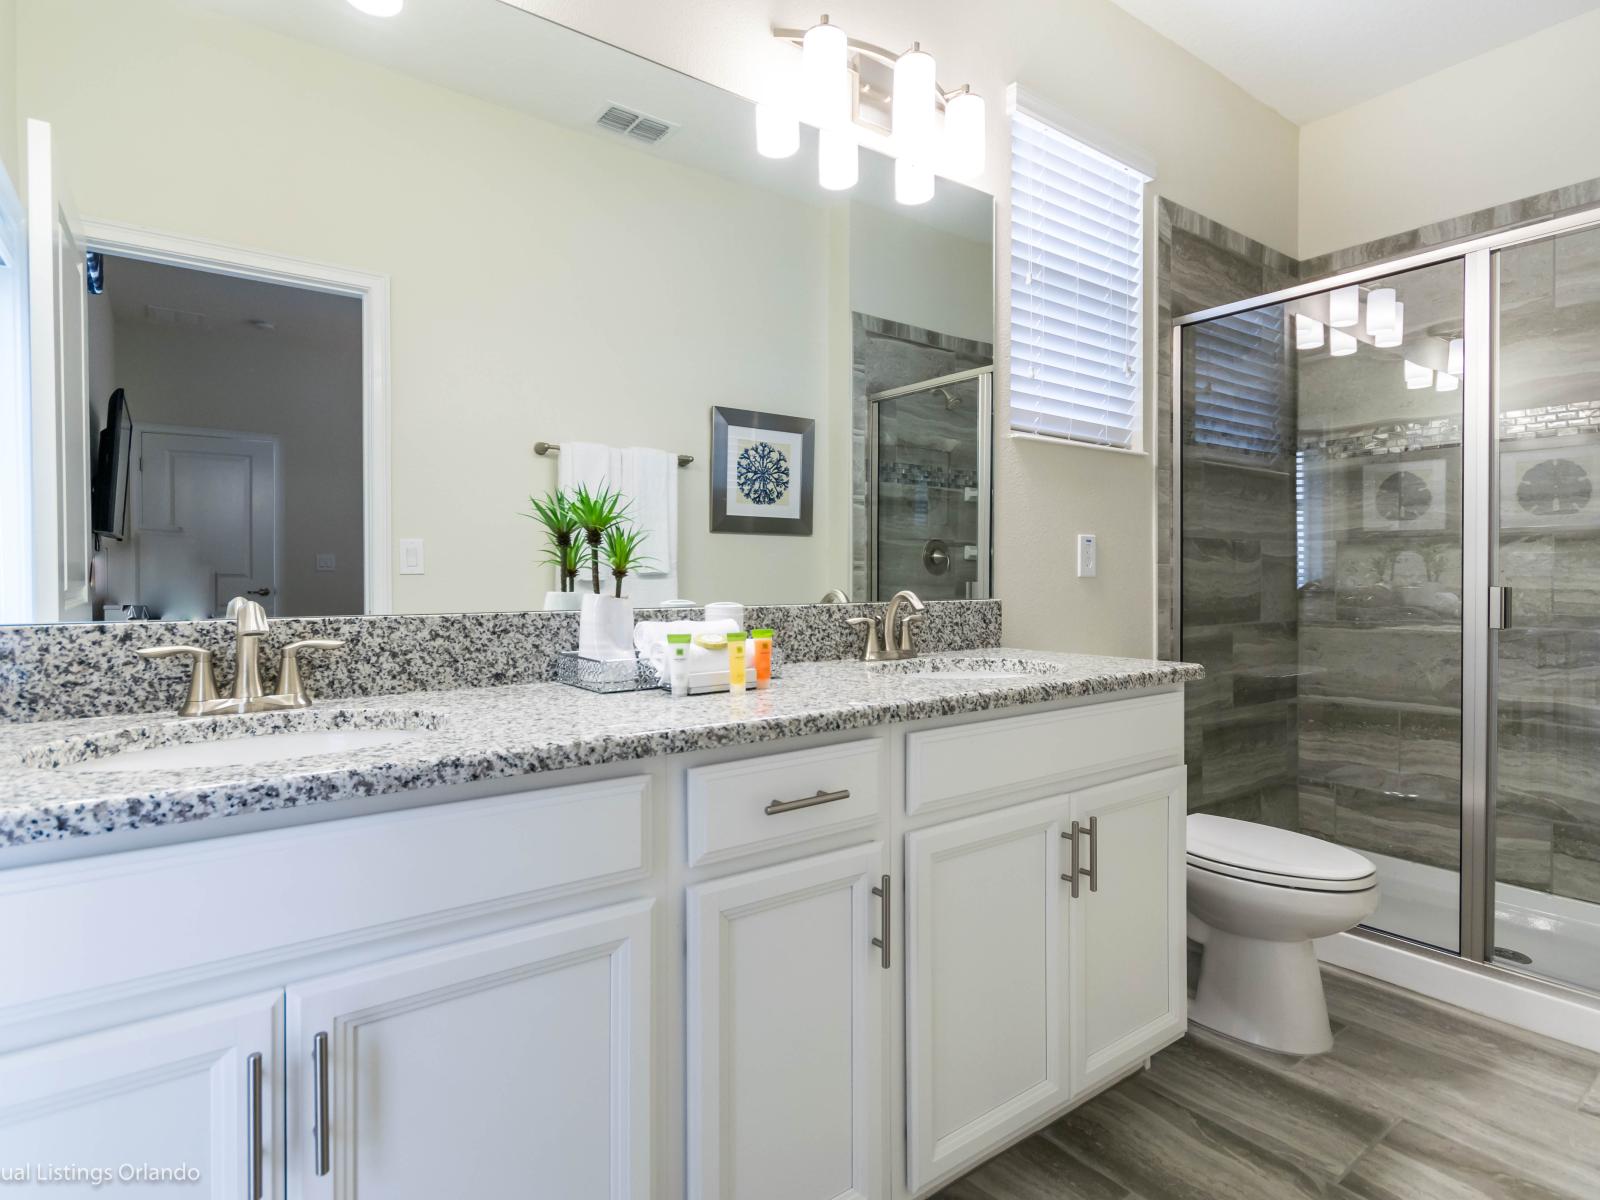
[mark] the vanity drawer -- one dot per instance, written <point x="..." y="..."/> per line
<point x="994" y="758"/>
<point x="757" y="803"/>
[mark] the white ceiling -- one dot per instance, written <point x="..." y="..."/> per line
<point x="1308" y="60"/>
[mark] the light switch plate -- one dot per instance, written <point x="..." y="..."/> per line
<point x="326" y="562"/>
<point x="411" y="556"/>
<point x="1086" y="556"/>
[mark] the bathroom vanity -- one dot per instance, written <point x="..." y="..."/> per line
<point x="847" y="937"/>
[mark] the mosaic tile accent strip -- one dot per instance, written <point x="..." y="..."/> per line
<point x="62" y="672"/>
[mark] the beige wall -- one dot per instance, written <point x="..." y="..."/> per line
<point x="10" y="119"/>
<point x="1521" y="119"/>
<point x="1216" y="150"/>
<point x="305" y="393"/>
<point x="530" y="301"/>
<point x="919" y="275"/>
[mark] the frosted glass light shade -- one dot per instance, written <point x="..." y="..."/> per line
<point x="913" y="182"/>
<point x="777" y="129"/>
<point x="965" y="135"/>
<point x="915" y="108"/>
<point x="1446" y="382"/>
<point x="825" y="99"/>
<point x="1381" y="305"/>
<point x="1307" y="333"/>
<point x="838" y="164"/>
<point x="1341" y="343"/>
<point x="1418" y="376"/>
<point x="1456" y="359"/>
<point x="1396" y="333"/>
<point x="378" y="8"/>
<point x="1344" y="306"/>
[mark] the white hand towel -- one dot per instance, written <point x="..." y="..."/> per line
<point x="649" y="479"/>
<point x="584" y="463"/>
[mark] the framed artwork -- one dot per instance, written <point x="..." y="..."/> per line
<point x="1550" y="485"/>
<point x="761" y="472"/>
<point x="1404" y="495"/>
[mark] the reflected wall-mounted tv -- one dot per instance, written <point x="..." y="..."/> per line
<point x="108" y="490"/>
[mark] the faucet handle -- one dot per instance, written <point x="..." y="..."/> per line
<point x="289" y="683"/>
<point x="873" y="649"/>
<point x="905" y="631"/>
<point x="202" y="678"/>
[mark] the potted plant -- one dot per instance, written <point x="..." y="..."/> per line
<point x="605" y="623"/>
<point x="565" y="551"/>
<point x="622" y="543"/>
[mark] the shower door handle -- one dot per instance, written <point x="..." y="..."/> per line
<point x="1499" y="608"/>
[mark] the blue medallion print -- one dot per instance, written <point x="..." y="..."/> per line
<point x="763" y="473"/>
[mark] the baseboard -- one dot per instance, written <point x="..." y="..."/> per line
<point x="1526" y="1003"/>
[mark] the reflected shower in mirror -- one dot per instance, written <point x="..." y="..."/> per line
<point x="365" y="269"/>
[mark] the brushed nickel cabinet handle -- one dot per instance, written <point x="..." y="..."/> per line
<point x="319" y="1102"/>
<point x="1094" y="854"/>
<point x="782" y="806"/>
<point x="252" y="1124"/>
<point x="1071" y="877"/>
<point x="884" y="917"/>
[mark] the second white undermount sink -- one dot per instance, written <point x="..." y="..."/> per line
<point x="954" y="668"/>
<point x="243" y="751"/>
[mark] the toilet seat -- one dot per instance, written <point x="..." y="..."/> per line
<point x="1276" y="857"/>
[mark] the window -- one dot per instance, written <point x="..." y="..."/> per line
<point x="1243" y="392"/>
<point x="1077" y="283"/>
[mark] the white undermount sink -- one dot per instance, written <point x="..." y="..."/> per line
<point x="243" y="751"/>
<point x="954" y="668"/>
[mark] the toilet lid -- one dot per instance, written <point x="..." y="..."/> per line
<point x="1253" y="851"/>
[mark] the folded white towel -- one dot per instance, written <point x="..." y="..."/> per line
<point x="588" y="464"/>
<point x="650" y="639"/>
<point x="650" y="479"/>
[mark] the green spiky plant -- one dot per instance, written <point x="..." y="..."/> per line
<point x="595" y="512"/>
<point x="554" y="512"/>
<point x="622" y="543"/>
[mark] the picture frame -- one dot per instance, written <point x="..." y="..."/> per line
<point x="1550" y="483"/>
<point x="1405" y="495"/>
<point x="763" y="470"/>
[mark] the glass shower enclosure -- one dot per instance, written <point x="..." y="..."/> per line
<point x="1389" y="562"/>
<point x="928" y="466"/>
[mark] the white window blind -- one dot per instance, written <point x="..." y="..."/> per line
<point x="1077" y="284"/>
<point x="1242" y="388"/>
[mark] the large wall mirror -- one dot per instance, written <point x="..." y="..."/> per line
<point x="333" y="297"/>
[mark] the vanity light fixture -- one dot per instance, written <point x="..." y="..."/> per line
<point x="1344" y="307"/>
<point x="1391" y="337"/>
<point x="847" y="87"/>
<point x="1307" y="333"/>
<point x="1456" y="356"/>
<point x="1446" y="382"/>
<point x="1341" y="343"/>
<point x="1418" y="376"/>
<point x="378" y="8"/>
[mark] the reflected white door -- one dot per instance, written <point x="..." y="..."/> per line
<point x="206" y="515"/>
<point x="58" y="359"/>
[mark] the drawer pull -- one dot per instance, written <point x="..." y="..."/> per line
<point x="782" y="806"/>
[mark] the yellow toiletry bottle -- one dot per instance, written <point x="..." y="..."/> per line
<point x="736" y="672"/>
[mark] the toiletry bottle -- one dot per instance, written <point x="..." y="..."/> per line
<point x="761" y="652"/>
<point x="678" y="663"/>
<point x="736" y="672"/>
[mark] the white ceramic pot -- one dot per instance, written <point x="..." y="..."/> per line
<point x="605" y="627"/>
<point x="562" y="601"/>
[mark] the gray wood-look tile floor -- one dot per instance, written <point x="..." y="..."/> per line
<point x="1416" y="1101"/>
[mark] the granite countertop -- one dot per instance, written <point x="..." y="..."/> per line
<point x="466" y="735"/>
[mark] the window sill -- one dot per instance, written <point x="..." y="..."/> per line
<point x="1020" y="436"/>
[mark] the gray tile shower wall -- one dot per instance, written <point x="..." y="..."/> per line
<point x="58" y="672"/>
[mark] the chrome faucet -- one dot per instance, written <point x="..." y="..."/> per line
<point x="249" y="623"/>
<point x="888" y="649"/>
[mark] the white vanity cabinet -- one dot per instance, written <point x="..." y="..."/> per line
<point x="192" y="1099"/>
<point x="787" y="1029"/>
<point x="497" y="1066"/>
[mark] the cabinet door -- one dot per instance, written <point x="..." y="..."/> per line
<point x="786" y="1029"/>
<point x="190" y="1098"/>
<point x="509" y="1065"/>
<point x="1127" y="931"/>
<point x="985" y="998"/>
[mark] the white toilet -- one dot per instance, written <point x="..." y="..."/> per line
<point x="1259" y="895"/>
